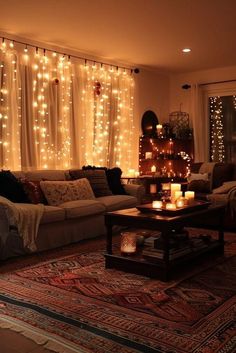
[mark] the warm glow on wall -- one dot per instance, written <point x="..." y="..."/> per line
<point x="65" y="113"/>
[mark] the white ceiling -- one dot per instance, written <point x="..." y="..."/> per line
<point x="135" y="32"/>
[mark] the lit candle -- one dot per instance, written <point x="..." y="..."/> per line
<point x="136" y="174"/>
<point x="189" y="195"/>
<point x="159" y="129"/>
<point x="180" y="202"/>
<point x="173" y="189"/>
<point x="170" y="206"/>
<point x="153" y="188"/>
<point x="148" y="155"/>
<point x="178" y="194"/>
<point x="131" y="173"/>
<point x="128" y="243"/>
<point x="153" y="169"/>
<point x="165" y="186"/>
<point x="157" y="204"/>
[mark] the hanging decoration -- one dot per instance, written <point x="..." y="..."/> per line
<point x="217" y="148"/>
<point x="97" y="88"/>
<point x="60" y="111"/>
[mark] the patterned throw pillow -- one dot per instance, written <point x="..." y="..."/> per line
<point x="58" y="192"/>
<point x="97" y="179"/>
<point x="33" y="191"/>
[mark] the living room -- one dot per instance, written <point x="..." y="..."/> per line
<point x="76" y="78"/>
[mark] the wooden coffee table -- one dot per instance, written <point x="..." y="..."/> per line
<point x="162" y="268"/>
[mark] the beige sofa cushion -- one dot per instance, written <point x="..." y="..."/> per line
<point x="52" y="214"/>
<point x="58" y="192"/>
<point x="45" y="174"/>
<point x="117" y="202"/>
<point x="82" y="208"/>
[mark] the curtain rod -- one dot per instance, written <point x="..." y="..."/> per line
<point x="135" y="70"/>
<point x="214" y="83"/>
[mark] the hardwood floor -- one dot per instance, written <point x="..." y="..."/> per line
<point x="13" y="342"/>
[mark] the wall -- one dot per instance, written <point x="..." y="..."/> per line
<point x="179" y="96"/>
<point x="151" y="93"/>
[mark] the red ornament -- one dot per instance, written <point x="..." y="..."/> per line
<point x="55" y="81"/>
<point x="97" y="88"/>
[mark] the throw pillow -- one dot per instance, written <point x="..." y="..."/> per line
<point x="113" y="178"/>
<point x="11" y="188"/>
<point x="33" y="191"/>
<point x="97" y="179"/>
<point x="199" y="186"/>
<point x="222" y="172"/>
<point x="114" y="181"/>
<point x="198" y="176"/>
<point x="58" y="192"/>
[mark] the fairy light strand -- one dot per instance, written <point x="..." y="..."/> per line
<point x="217" y="147"/>
<point x="106" y="123"/>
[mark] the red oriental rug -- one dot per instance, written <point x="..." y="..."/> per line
<point x="67" y="301"/>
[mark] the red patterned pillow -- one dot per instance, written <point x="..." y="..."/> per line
<point x="33" y="191"/>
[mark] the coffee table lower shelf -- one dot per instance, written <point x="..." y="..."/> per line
<point x="158" y="268"/>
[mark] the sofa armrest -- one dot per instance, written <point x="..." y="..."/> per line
<point x="135" y="190"/>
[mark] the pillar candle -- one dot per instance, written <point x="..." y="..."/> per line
<point x="153" y="189"/>
<point x="178" y="194"/>
<point x="180" y="202"/>
<point x="189" y="195"/>
<point x="159" y="129"/>
<point x="148" y="155"/>
<point x="153" y="169"/>
<point x="170" y="206"/>
<point x="173" y="189"/>
<point x="157" y="204"/>
<point x="165" y="186"/>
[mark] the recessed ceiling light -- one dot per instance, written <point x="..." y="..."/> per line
<point x="186" y="50"/>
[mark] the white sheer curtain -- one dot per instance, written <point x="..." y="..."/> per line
<point x="59" y="113"/>
<point x="200" y="119"/>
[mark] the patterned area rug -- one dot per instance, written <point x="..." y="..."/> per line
<point x="67" y="301"/>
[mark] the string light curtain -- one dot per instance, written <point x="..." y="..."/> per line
<point x="58" y="113"/>
<point x="217" y="148"/>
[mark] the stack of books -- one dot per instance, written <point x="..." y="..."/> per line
<point x="179" y="245"/>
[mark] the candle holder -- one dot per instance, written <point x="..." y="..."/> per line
<point x="128" y="243"/>
<point x="165" y="192"/>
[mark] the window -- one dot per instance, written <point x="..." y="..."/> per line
<point x="222" y="128"/>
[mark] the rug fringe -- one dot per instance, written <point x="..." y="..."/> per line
<point x="40" y="339"/>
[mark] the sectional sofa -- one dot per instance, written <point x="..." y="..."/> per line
<point x="68" y="222"/>
<point x="219" y="187"/>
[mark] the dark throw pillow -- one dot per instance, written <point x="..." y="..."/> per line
<point x="97" y="179"/>
<point x="199" y="186"/>
<point x="11" y="188"/>
<point x="33" y="191"/>
<point x="113" y="178"/>
<point x="114" y="181"/>
<point x="222" y="172"/>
